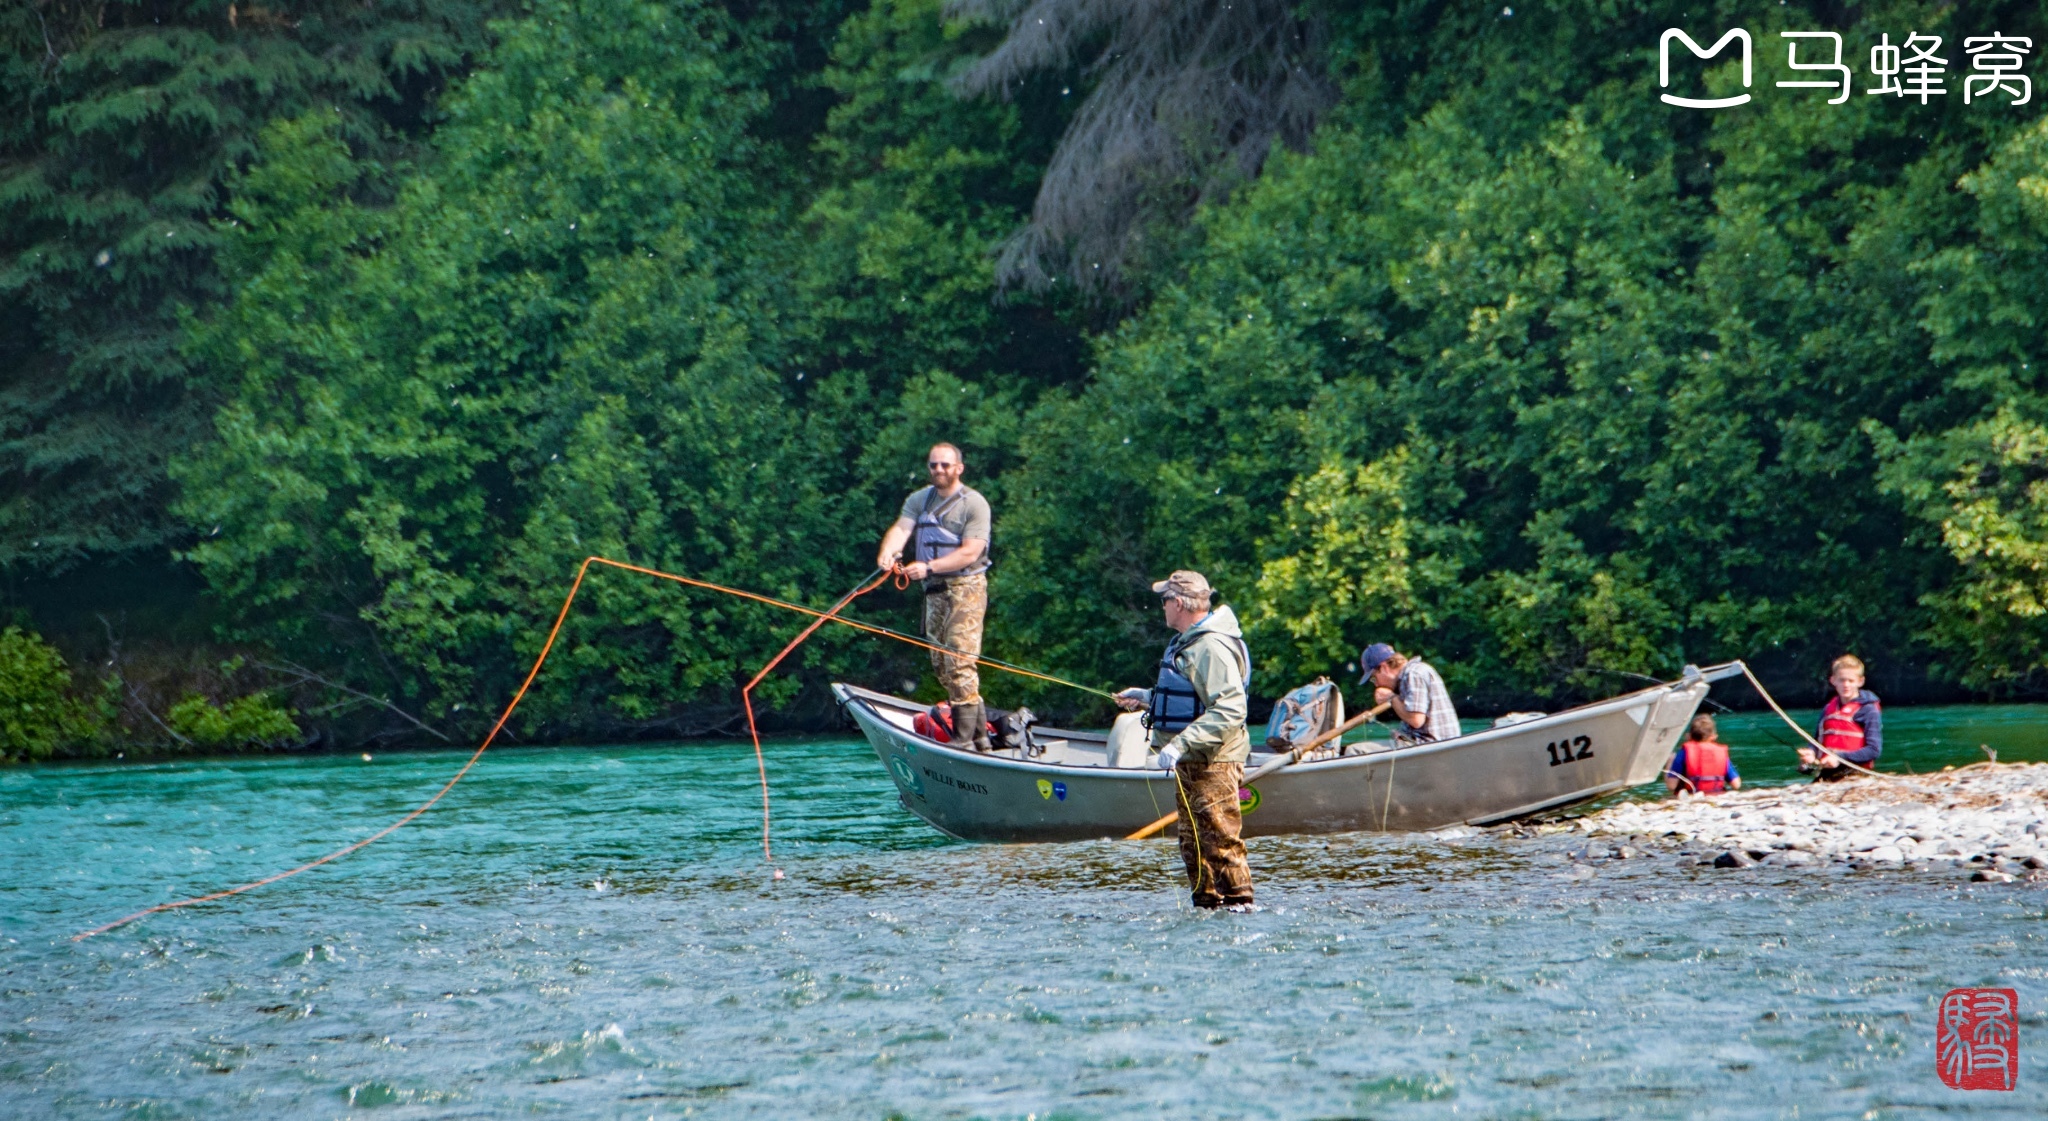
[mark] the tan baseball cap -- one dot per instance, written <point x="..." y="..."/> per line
<point x="1184" y="582"/>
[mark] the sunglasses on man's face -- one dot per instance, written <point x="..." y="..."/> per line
<point x="941" y="466"/>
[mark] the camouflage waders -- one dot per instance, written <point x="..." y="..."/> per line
<point x="952" y="617"/>
<point x="1218" y="874"/>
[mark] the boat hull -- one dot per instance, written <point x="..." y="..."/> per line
<point x="1488" y="776"/>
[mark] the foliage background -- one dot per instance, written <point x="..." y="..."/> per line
<point x="1509" y="364"/>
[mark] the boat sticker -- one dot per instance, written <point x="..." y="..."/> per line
<point x="905" y="775"/>
<point x="1045" y="790"/>
<point x="1059" y="790"/>
<point x="1247" y="799"/>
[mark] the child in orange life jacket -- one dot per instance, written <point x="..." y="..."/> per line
<point x="1701" y="763"/>
<point x="1851" y="726"/>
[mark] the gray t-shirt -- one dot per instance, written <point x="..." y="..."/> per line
<point x="1421" y="689"/>
<point x="967" y="519"/>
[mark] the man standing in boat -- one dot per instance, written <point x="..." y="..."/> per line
<point x="947" y="523"/>
<point x="1196" y="711"/>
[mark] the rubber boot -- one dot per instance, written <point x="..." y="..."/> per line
<point x="965" y="718"/>
<point x="970" y="727"/>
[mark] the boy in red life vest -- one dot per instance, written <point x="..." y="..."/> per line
<point x="1701" y="763"/>
<point x="1851" y="726"/>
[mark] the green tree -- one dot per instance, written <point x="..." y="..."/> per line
<point x="39" y="714"/>
<point x="916" y="189"/>
<point x="1516" y="367"/>
<point x="557" y="342"/>
<point x="120" y="123"/>
<point x="895" y="305"/>
<point x="252" y="721"/>
<point x="1624" y="356"/>
<point x="1980" y="486"/>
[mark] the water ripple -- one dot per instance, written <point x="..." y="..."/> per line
<point x="470" y="965"/>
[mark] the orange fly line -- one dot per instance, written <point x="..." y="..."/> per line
<point x="819" y="618"/>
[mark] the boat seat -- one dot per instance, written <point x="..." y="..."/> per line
<point x="1129" y="740"/>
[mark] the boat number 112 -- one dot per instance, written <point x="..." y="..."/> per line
<point x="1561" y="751"/>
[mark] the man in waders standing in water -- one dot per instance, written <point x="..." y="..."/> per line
<point x="948" y="524"/>
<point x="1196" y="711"/>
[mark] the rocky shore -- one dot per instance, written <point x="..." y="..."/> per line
<point x="1988" y="819"/>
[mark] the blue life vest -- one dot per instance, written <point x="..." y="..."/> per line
<point x="1175" y="704"/>
<point x="933" y="540"/>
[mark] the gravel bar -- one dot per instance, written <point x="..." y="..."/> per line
<point x="1990" y="819"/>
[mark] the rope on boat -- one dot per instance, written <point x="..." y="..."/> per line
<point x="1773" y="702"/>
<point x="819" y="618"/>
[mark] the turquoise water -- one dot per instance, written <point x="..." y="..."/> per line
<point x="592" y="933"/>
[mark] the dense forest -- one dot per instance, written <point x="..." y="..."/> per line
<point x="334" y="335"/>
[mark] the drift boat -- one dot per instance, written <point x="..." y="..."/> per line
<point x="1071" y="792"/>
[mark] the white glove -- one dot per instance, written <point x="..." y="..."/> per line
<point x="1169" y="757"/>
<point x="1133" y="699"/>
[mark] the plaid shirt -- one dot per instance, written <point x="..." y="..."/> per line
<point x="1421" y="689"/>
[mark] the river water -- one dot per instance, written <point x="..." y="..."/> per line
<point x="592" y="933"/>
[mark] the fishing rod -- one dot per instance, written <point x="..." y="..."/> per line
<point x="1794" y="725"/>
<point x="1286" y="758"/>
<point x="1782" y="715"/>
<point x="867" y="584"/>
<point x="856" y="624"/>
<point x="1774" y="706"/>
<point x="1652" y="680"/>
<point x="997" y="663"/>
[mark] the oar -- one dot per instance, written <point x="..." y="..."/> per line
<point x="1286" y="757"/>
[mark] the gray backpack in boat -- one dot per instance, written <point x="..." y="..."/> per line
<point x="1304" y="714"/>
<point x="1013" y="730"/>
